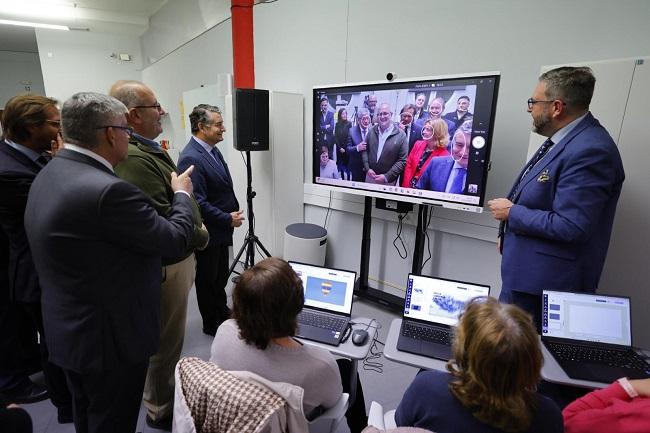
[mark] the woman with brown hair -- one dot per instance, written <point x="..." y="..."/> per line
<point x="260" y="339"/>
<point x="435" y="138"/>
<point x="491" y="384"/>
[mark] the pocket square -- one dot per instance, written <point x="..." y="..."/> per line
<point x="544" y="177"/>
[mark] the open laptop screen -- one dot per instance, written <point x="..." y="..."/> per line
<point x="438" y="300"/>
<point x="325" y="288"/>
<point x="586" y="317"/>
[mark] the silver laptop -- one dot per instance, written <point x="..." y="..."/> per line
<point x="431" y="310"/>
<point x="590" y="336"/>
<point x="328" y="302"/>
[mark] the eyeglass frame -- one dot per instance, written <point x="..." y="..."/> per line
<point x="157" y="106"/>
<point x="532" y="102"/>
<point x="129" y="131"/>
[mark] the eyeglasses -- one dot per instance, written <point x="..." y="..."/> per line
<point x="157" y="106"/>
<point x="56" y="123"/>
<point x="126" y="129"/>
<point x="532" y="102"/>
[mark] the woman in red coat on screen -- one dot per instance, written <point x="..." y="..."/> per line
<point x="435" y="138"/>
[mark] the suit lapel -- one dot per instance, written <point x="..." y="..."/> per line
<point x="557" y="149"/>
<point x="20" y="157"/>
<point x="225" y="176"/>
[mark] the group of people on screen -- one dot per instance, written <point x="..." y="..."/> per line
<point x="424" y="149"/>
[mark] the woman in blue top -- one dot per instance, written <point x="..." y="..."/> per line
<point x="491" y="384"/>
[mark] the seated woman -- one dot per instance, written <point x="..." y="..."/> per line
<point x="266" y="302"/>
<point x="435" y="138"/>
<point x="491" y="382"/>
<point x="622" y="407"/>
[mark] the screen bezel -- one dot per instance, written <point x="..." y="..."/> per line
<point x="429" y="322"/>
<point x="370" y="86"/>
<point x="327" y="310"/>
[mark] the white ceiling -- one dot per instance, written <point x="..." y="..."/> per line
<point x="114" y="16"/>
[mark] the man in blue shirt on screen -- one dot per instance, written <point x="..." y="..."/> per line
<point x="557" y="219"/>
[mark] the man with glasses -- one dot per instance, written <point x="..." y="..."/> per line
<point x="449" y="173"/>
<point x="149" y="167"/>
<point x="387" y="149"/>
<point x="220" y="210"/>
<point x="97" y="244"/>
<point x="556" y="222"/>
<point x="32" y="126"/>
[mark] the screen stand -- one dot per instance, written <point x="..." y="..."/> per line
<point x="362" y="289"/>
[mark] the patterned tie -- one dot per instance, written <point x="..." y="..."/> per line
<point x="543" y="149"/>
<point x="458" y="184"/>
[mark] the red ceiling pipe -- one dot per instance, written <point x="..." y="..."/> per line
<point x="243" y="51"/>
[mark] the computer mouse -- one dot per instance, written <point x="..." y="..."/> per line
<point x="359" y="337"/>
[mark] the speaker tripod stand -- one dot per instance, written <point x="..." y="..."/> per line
<point x="251" y="241"/>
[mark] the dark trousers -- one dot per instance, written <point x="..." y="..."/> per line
<point x="19" y="349"/>
<point x="55" y="380"/>
<point x="211" y="279"/>
<point x="108" y="401"/>
<point x="530" y="303"/>
<point x="356" y="414"/>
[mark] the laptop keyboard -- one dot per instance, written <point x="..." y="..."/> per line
<point x="426" y="333"/>
<point x="321" y="321"/>
<point x="610" y="357"/>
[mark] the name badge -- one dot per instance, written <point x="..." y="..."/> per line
<point x="544" y="177"/>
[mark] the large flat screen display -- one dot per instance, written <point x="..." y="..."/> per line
<point x="423" y="140"/>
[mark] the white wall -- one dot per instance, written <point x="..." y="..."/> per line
<point x="190" y="66"/>
<point x="300" y="44"/>
<point x="80" y="61"/>
<point x="18" y="68"/>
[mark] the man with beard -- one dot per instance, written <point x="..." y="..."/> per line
<point x="557" y="219"/>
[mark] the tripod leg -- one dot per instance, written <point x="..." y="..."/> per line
<point x="234" y="262"/>
<point x="259" y="243"/>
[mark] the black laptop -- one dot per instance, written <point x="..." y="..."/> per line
<point x="328" y="302"/>
<point x="590" y="336"/>
<point x="431" y="310"/>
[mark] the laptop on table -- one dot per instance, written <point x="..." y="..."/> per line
<point x="590" y="336"/>
<point x="328" y="302"/>
<point x="431" y="310"/>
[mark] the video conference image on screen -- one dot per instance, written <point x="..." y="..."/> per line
<point x="428" y="139"/>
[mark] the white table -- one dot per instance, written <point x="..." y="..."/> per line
<point x="350" y="350"/>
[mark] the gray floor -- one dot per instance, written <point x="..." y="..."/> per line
<point x="386" y="387"/>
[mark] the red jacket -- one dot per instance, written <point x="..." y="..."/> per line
<point x="413" y="159"/>
<point x="608" y="410"/>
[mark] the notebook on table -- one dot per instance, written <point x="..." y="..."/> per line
<point x="431" y="310"/>
<point x="590" y="336"/>
<point x="328" y="302"/>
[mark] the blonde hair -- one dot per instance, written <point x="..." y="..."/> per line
<point x="440" y="131"/>
<point x="497" y="363"/>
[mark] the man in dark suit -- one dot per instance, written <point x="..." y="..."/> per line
<point x="387" y="149"/>
<point x="407" y="124"/>
<point x="557" y="219"/>
<point x="326" y="127"/>
<point x="358" y="145"/>
<point x="97" y="244"/>
<point x="462" y="112"/>
<point x="448" y="173"/>
<point x="149" y="167"/>
<point x="32" y="124"/>
<point x="220" y="210"/>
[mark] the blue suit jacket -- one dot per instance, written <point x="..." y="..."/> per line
<point x="559" y="227"/>
<point x="437" y="173"/>
<point x="213" y="191"/>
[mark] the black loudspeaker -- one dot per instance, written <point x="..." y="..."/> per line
<point x="251" y="108"/>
